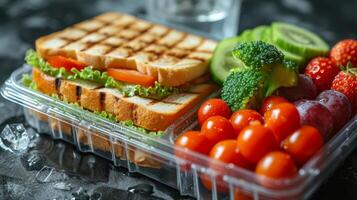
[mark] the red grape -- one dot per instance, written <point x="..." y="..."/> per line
<point x="315" y="114"/>
<point x="338" y="105"/>
<point x="305" y="89"/>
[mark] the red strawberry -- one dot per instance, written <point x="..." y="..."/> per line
<point x="344" y="52"/>
<point x="346" y="83"/>
<point x="322" y="71"/>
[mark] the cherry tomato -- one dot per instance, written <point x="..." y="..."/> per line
<point x="276" y="165"/>
<point x="241" y="118"/>
<point x="67" y="63"/>
<point x="303" y="144"/>
<point x="255" y="141"/>
<point x="217" y="128"/>
<point x="271" y="101"/>
<point x="225" y="151"/>
<point x="282" y="119"/>
<point x="213" y="107"/>
<point x="193" y="140"/>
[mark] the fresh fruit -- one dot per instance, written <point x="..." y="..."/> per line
<point x="225" y="151"/>
<point x="305" y="89"/>
<point x="303" y="144"/>
<point x="255" y="141"/>
<point x="282" y="119"/>
<point x="276" y="165"/>
<point x="67" y="63"/>
<point x="193" y="140"/>
<point x="132" y="76"/>
<point x="222" y="60"/>
<point x="338" y="105"/>
<point x="211" y="108"/>
<point x="298" y="40"/>
<point x="346" y="83"/>
<point x="313" y="113"/>
<point x="322" y="71"/>
<point x="271" y="101"/>
<point x="241" y="119"/>
<point x="218" y="128"/>
<point x="344" y="52"/>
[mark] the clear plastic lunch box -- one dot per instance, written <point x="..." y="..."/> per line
<point x="156" y="157"/>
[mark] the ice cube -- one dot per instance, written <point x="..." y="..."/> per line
<point x="14" y="138"/>
<point x="50" y="174"/>
<point x="63" y="186"/>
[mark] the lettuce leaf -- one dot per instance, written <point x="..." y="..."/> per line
<point x="27" y="81"/>
<point x="157" y="91"/>
<point x="34" y="60"/>
<point x="131" y="124"/>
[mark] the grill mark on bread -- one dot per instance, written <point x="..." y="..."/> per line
<point x="102" y="100"/>
<point x="58" y="83"/>
<point x="148" y="33"/>
<point x="78" y="92"/>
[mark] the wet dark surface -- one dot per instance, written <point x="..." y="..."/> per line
<point x="85" y="176"/>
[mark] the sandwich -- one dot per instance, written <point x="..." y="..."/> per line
<point x="136" y="72"/>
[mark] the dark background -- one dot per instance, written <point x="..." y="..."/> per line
<point x="22" y="21"/>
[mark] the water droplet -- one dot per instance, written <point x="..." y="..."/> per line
<point x="33" y="161"/>
<point x="49" y="174"/>
<point x="63" y="186"/>
<point x="80" y="194"/>
<point x="142" y="189"/>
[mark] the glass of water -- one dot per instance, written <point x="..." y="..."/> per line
<point x="219" y="18"/>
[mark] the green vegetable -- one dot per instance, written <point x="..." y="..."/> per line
<point x="264" y="71"/>
<point x="283" y="75"/>
<point x="27" y="81"/>
<point x="257" y="55"/>
<point x="244" y="89"/>
<point x="157" y="91"/>
<point x="131" y="124"/>
<point x="34" y="60"/>
<point x="89" y="74"/>
<point x="222" y="60"/>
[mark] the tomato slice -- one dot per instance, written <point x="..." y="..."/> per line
<point x="131" y="76"/>
<point x="67" y="63"/>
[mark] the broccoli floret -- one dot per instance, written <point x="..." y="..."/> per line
<point x="257" y="55"/>
<point x="283" y="75"/>
<point x="263" y="70"/>
<point x="244" y="89"/>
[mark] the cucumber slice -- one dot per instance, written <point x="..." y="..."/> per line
<point x="297" y="40"/>
<point x="258" y="33"/>
<point x="222" y="60"/>
<point x="246" y="35"/>
<point x="298" y="59"/>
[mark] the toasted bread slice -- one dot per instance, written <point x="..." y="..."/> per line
<point x="123" y="41"/>
<point x="147" y="113"/>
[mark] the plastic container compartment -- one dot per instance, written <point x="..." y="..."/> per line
<point x="155" y="157"/>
